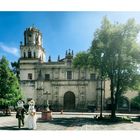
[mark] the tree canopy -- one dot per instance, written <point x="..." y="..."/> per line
<point x="81" y="60"/>
<point x="115" y="50"/>
<point x="15" y="68"/>
<point x="121" y="52"/>
<point x="135" y="102"/>
<point x="9" y="85"/>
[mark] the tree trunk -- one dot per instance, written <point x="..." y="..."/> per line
<point x="6" y="110"/>
<point x="113" y="109"/>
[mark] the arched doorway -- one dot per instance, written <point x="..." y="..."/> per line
<point x="69" y="101"/>
<point x="123" y="104"/>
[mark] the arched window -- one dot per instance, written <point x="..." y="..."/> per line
<point x="69" y="75"/>
<point x="24" y="54"/>
<point x="123" y="103"/>
<point x="29" y="54"/>
<point x="34" y="55"/>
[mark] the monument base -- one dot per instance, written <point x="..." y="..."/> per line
<point x="46" y="115"/>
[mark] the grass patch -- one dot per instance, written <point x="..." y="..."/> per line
<point x="121" y="119"/>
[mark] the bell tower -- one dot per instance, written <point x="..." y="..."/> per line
<point x="31" y="48"/>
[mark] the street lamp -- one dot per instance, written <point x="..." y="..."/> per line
<point x="101" y="110"/>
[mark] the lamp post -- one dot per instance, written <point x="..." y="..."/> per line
<point x="101" y="109"/>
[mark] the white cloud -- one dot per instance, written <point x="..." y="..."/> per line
<point x="9" y="49"/>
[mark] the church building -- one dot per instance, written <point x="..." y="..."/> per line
<point x="57" y="82"/>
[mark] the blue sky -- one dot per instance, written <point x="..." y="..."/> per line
<point x="61" y="30"/>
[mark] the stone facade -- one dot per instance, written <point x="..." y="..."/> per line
<point x="57" y="82"/>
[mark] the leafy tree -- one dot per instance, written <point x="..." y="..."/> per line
<point x="135" y="103"/>
<point x="81" y="60"/>
<point x="9" y="85"/>
<point x="15" y="66"/>
<point x="120" y="59"/>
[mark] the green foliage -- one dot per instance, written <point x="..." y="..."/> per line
<point x="135" y="102"/>
<point x="15" y="68"/>
<point x="121" y="59"/>
<point x="81" y="60"/>
<point x="120" y="62"/>
<point x="9" y="85"/>
<point x="124" y="119"/>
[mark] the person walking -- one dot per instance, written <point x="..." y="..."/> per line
<point x="20" y="113"/>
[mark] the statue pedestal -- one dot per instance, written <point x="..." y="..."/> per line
<point x="46" y="115"/>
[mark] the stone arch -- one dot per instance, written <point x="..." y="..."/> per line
<point x="29" y="53"/>
<point x="69" y="101"/>
<point x="123" y="103"/>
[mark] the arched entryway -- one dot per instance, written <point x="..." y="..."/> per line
<point x="69" y="101"/>
<point x="123" y="104"/>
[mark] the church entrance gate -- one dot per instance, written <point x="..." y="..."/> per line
<point x="69" y="101"/>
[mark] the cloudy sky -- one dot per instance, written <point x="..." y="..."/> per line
<point x="61" y="30"/>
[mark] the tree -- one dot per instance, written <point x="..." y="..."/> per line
<point x="120" y="62"/>
<point x="81" y="60"/>
<point x="9" y="85"/>
<point x="15" y="66"/>
<point x="135" y="103"/>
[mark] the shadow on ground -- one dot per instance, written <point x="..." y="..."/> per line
<point x="75" y="121"/>
<point x="1" y="115"/>
<point x="136" y="119"/>
<point x="72" y="122"/>
<point x="12" y="128"/>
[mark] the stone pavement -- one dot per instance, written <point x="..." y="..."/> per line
<point x="69" y="121"/>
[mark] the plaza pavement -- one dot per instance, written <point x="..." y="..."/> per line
<point x="70" y="121"/>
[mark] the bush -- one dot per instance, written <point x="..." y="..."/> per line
<point x="135" y="103"/>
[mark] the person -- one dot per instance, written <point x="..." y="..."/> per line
<point x="20" y="112"/>
<point x="31" y="115"/>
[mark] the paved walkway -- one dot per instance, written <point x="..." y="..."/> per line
<point x="70" y="121"/>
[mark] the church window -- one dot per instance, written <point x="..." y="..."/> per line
<point x="30" y="76"/>
<point x="29" y="54"/>
<point x="69" y="75"/>
<point x="34" y="55"/>
<point x="69" y="62"/>
<point x="47" y="76"/>
<point x="24" y="54"/>
<point x="92" y="76"/>
<point x="30" y="37"/>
